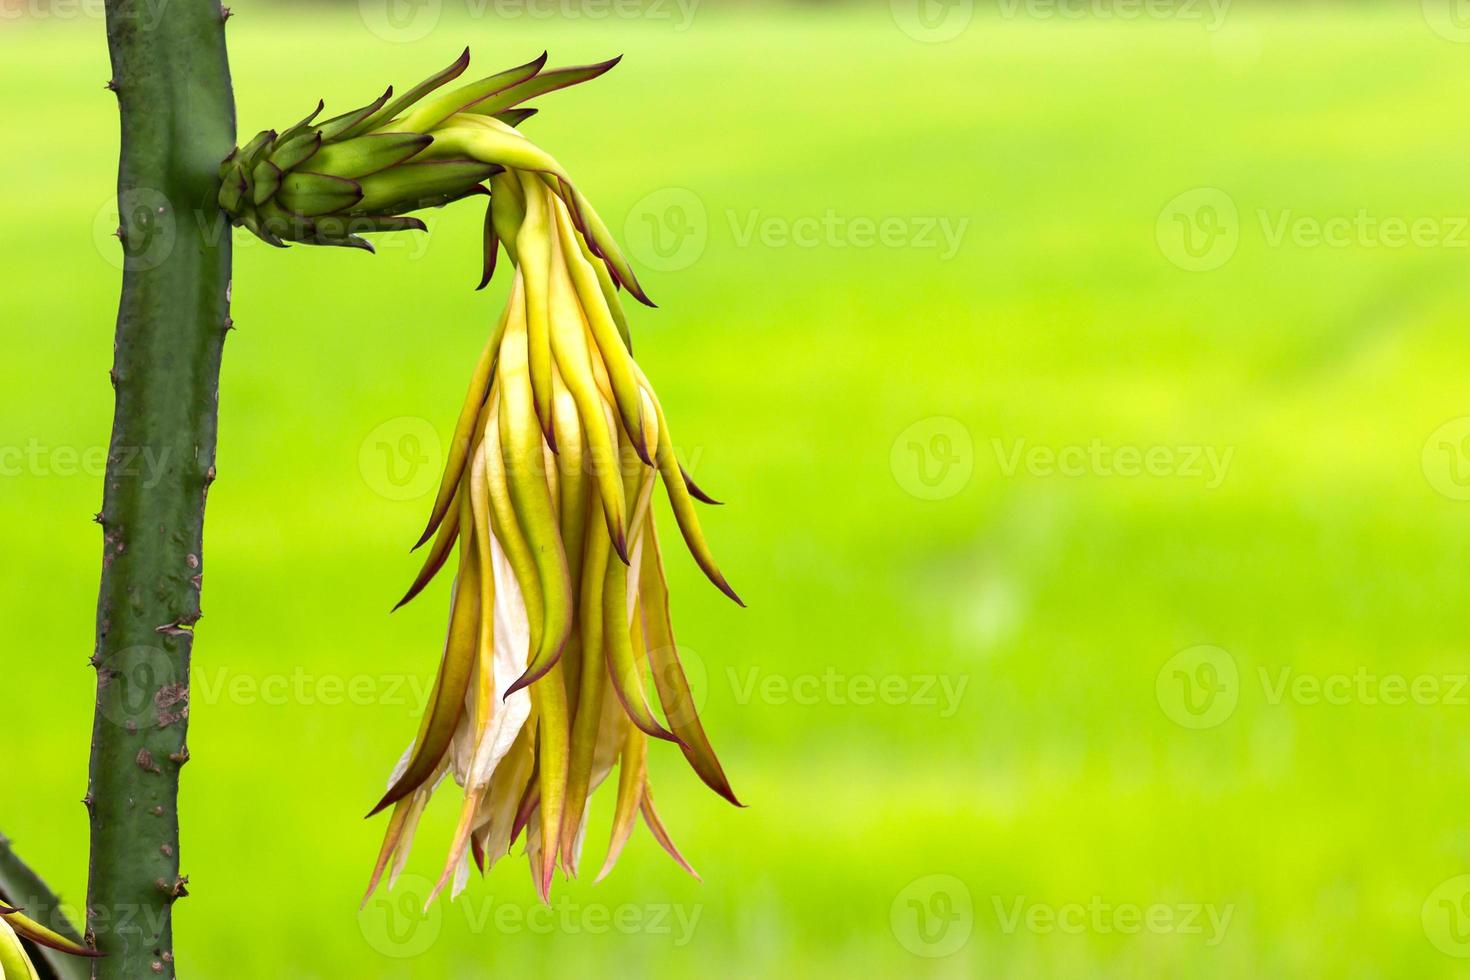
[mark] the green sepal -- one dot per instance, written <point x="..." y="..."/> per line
<point x="288" y="155"/>
<point x="250" y="150"/>
<point x="444" y="200"/>
<point x="312" y="194"/>
<point x="281" y="223"/>
<point x="408" y="187"/>
<point x="265" y="180"/>
<point x="434" y="112"/>
<point x="363" y="225"/>
<point x="301" y="127"/>
<point x="558" y="78"/>
<point x="514" y="117"/>
<point x="407" y="100"/>
<point x="491" y="245"/>
<point x="342" y="241"/>
<point x="338" y="125"/>
<point x="232" y="189"/>
<point x="251" y="222"/>
<point x="365" y="155"/>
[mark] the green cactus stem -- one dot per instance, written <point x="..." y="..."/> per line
<point x="171" y="78"/>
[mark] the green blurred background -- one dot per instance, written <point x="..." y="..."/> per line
<point x="1102" y="557"/>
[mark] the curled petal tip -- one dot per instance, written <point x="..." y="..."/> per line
<point x="724" y="587"/>
<point x="696" y="492"/>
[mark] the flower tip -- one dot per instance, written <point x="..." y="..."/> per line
<point x="696" y="492"/>
<point x="724" y="587"/>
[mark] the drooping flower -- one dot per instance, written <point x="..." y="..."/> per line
<point x="560" y="609"/>
<point x="15" y="962"/>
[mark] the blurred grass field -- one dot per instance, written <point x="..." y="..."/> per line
<point x="1031" y="644"/>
